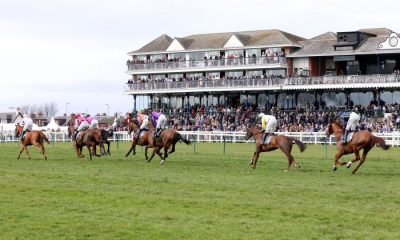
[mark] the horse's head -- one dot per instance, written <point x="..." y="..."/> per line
<point x="132" y="126"/>
<point x="249" y="131"/>
<point x="334" y="126"/>
<point x="71" y="127"/>
<point x="18" y="130"/>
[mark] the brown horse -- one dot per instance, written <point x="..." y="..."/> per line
<point x="282" y="142"/>
<point x="361" y="140"/>
<point x="89" y="138"/>
<point x="146" y="140"/>
<point x="31" y="138"/>
<point x="169" y="137"/>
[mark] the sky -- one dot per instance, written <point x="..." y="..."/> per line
<point x="73" y="52"/>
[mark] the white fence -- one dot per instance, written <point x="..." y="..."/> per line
<point x="392" y="138"/>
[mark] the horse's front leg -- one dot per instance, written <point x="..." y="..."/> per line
<point x="338" y="155"/>
<point x="252" y="160"/>
<point x="173" y="149"/>
<point x="90" y="151"/>
<point x="20" y="152"/>
<point x="256" y="158"/>
<point x="153" y="153"/>
<point x="166" y="147"/>
<point x="145" y="153"/>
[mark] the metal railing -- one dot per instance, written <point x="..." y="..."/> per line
<point x="391" y="138"/>
<point x="245" y="82"/>
<point x="212" y="63"/>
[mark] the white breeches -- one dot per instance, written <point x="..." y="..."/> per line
<point x="84" y="125"/>
<point x="94" y="124"/>
<point x="162" y="121"/>
<point x="354" y="121"/>
<point x="271" y="126"/>
<point x="28" y="126"/>
<point x="145" y="124"/>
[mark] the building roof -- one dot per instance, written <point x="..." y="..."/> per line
<point x="218" y="40"/>
<point x="324" y="45"/>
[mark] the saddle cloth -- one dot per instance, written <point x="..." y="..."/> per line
<point x="268" y="139"/>
<point x="349" y="137"/>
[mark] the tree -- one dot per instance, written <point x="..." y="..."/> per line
<point x="48" y="109"/>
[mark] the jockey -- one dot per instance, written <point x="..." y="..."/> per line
<point x="268" y="125"/>
<point x="27" y="123"/>
<point x="94" y="124"/>
<point x="143" y="120"/>
<point x="352" y="125"/>
<point x="160" y="121"/>
<point x="81" y="123"/>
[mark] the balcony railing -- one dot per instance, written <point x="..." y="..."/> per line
<point x="209" y="85"/>
<point x="224" y="62"/>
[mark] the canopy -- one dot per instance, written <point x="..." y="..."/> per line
<point x="52" y="126"/>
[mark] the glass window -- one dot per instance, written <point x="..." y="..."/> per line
<point x="234" y="74"/>
<point x="256" y="52"/>
<point x="156" y="57"/>
<point x="213" y="75"/>
<point x="196" y="56"/>
<point x="254" y="73"/>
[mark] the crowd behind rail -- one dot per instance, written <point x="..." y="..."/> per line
<point x="299" y="119"/>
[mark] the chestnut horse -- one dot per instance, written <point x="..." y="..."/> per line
<point x="31" y="138"/>
<point x="360" y="140"/>
<point x="89" y="138"/>
<point x="280" y="141"/>
<point x="146" y="140"/>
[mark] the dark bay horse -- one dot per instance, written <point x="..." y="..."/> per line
<point x="169" y="137"/>
<point x="280" y="141"/>
<point x="89" y="138"/>
<point x="146" y="140"/>
<point x="36" y="138"/>
<point x="361" y="140"/>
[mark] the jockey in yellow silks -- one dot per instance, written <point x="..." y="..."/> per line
<point x="268" y="125"/>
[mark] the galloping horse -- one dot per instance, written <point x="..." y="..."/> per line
<point x="282" y="142"/>
<point x="89" y="138"/>
<point x="361" y="140"/>
<point x="146" y="140"/>
<point x="169" y="137"/>
<point x="31" y="138"/>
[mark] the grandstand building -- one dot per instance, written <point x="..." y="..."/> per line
<point x="267" y="67"/>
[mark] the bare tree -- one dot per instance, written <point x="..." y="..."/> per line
<point x="50" y="109"/>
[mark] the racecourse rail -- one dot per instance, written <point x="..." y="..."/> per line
<point x="391" y="138"/>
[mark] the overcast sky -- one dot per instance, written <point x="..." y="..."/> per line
<point x="74" y="51"/>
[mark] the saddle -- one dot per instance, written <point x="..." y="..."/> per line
<point x="348" y="139"/>
<point x="158" y="134"/>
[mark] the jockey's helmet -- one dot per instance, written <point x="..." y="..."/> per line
<point x="261" y="115"/>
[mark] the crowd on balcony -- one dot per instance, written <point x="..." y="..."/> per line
<point x="300" y="119"/>
<point x="197" y="78"/>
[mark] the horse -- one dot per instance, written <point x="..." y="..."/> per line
<point x="146" y="140"/>
<point x="31" y="138"/>
<point x="169" y="137"/>
<point x="282" y="142"/>
<point x="105" y="134"/>
<point x="89" y="138"/>
<point x="360" y="140"/>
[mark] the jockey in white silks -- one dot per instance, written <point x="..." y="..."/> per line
<point x="160" y="121"/>
<point x="143" y="120"/>
<point x="352" y="125"/>
<point x="27" y="123"/>
<point x="268" y="125"/>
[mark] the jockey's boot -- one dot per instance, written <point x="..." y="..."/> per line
<point x="23" y="135"/>
<point x="344" y="137"/>
<point x="74" y="136"/>
<point x="266" y="134"/>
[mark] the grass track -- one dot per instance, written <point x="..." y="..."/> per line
<point x="202" y="195"/>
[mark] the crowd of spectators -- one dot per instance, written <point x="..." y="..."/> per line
<point x="300" y="119"/>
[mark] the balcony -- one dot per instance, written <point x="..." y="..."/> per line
<point x="257" y="84"/>
<point x="209" y="65"/>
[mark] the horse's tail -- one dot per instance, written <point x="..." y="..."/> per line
<point x="180" y="138"/>
<point x="380" y="142"/>
<point x="300" y="144"/>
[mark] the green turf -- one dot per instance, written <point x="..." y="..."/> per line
<point x="202" y="195"/>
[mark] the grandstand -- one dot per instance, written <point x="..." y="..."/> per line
<point x="267" y="68"/>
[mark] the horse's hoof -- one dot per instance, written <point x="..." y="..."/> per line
<point x="251" y="163"/>
<point x="162" y="162"/>
<point x="334" y="168"/>
<point x="348" y="165"/>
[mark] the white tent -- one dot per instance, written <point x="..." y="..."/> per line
<point x="52" y="126"/>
